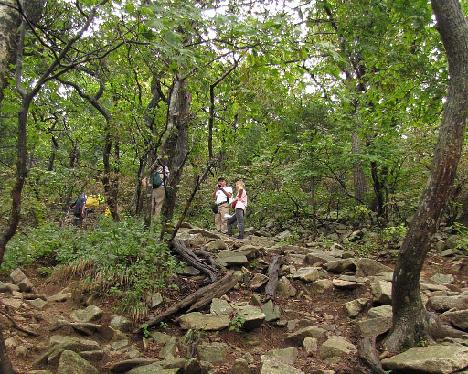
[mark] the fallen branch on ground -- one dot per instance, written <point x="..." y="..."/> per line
<point x="273" y="274"/>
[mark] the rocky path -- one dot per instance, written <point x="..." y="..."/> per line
<point x="325" y="302"/>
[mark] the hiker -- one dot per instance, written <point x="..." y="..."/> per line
<point x="158" y="181"/>
<point x="222" y="193"/>
<point x="79" y="209"/>
<point x="239" y="204"/>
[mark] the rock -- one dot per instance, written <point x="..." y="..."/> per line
<point x="341" y="266"/>
<point x="271" y="366"/>
<point x="380" y="311"/>
<point x="121" y="323"/>
<point x="221" y="307"/>
<point x="11" y="342"/>
<point x="370" y="327"/>
<point x="318" y="257"/>
<point x="204" y="233"/>
<point x="193" y="366"/>
<point x="309" y="274"/>
<point x="241" y="366"/>
<point x="258" y="281"/>
<point x="458" y="318"/>
<point x="444" y="303"/>
<point x="14" y="303"/>
<point x="354" y="307"/>
<point x="154" y="300"/>
<point x="366" y="267"/>
<point x="283" y="235"/>
<point x="60" y="297"/>
<point x="170" y="348"/>
<point x="216" y="245"/>
<point x="285" y="355"/>
<point x="154" y="368"/>
<point x="206" y="322"/>
<point x="322" y="285"/>
<point x="444" y="279"/>
<point x="94" y="356"/>
<point x="285" y="288"/>
<point x="72" y="363"/>
<point x="225" y="258"/>
<point x="448" y="252"/>
<point x="38" y="303"/>
<point x="432" y="287"/>
<point x="271" y="312"/>
<point x="345" y="284"/>
<point x="250" y="251"/>
<point x="126" y="365"/>
<point x="40" y="372"/>
<point x="90" y="313"/>
<point x="296" y="338"/>
<point x="11" y="287"/>
<point x="310" y="344"/>
<point x="381" y="291"/>
<point x="251" y="314"/>
<point x="212" y="352"/>
<point x="188" y="270"/>
<point x="119" y="344"/>
<point x="356" y="235"/>
<point x="21" y="280"/>
<point x="432" y="359"/>
<point x="336" y="347"/>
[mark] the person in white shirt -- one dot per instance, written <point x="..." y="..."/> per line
<point x="222" y="193"/>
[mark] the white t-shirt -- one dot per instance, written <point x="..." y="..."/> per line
<point x="220" y="195"/>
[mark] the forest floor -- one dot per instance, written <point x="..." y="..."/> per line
<point x="319" y="304"/>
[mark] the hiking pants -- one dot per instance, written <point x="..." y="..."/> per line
<point x="239" y="218"/>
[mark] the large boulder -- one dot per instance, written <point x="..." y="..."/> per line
<point x="221" y="307"/>
<point x="309" y="274"/>
<point x="366" y="267"/>
<point x="205" y="322"/>
<point x="444" y="303"/>
<point x="458" y="318"/>
<point x="436" y="359"/>
<point x="335" y="347"/>
<point x="381" y="291"/>
<point x="371" y="327"/>
<point x="341" y="266"/>
<point x="72" y="363"/>
<point x="354" y="307"/>
<point x="21" y="280"/>
<point x="285" y="288"/>
<point x="212" y="352"/>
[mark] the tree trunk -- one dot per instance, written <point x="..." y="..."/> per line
<point x="409" y="316"/>
<point x="9" y="23"/>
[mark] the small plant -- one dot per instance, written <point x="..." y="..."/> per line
<point x="163" y="325"/>
<point x="394" y="233"/>
<point x="236" y="323"/>
<point x="461" y="243"/>
<point x="146" y="332"/>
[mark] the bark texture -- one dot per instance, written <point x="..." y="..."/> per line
<point x="410" y="320"/>
<point x="9" y="23"/>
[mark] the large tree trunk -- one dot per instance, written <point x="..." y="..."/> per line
<point x="9" y="22"/>
<point x="409" y="315"/>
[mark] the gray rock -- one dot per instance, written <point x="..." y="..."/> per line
<point x="72" y="363"/>
<point x="21" y="280"/>
<point x="380" y="311"/>
<point x="94" y="356"/>
<point x="126" y="365"/>
<point x="432" y="287"/>
<point x="225" y="258"/>
<point x="310" y="345"/>
<point x="216" y="245"/>
<point x="204" y="233"/>
<point x="444" y="303"/>
<point x="318" y="257"/>
<point x="283" y="235"/>
<point x="206" y="322"/>
<point x="336" y="347"/>
<point x="366" y="267"/>
<point x="458" y="318"/>
<point x="381" y="291"/>
<point x="188" y="270"/>
<point x="160" y="337"/>
<point x="89" y="314"/>
<point x="60" y="297"/>
<point x="121" y="323"/>
<point x="341" y="266"/>
<point x="272" y="366"/>
<point x="285" y="355"/>
<point x="241" y="366"/>
<point x="250" y="251"/>
<point x="432" y="359"/>
<point x="170" y="348"/>
<point x="440" y="278"/>
<point x="252" y="315"/>
<point x="221" y="307"/>
<point x="212" y="352"/>
<point x="272" y="312"/>
<point x="354" y="307"/>
<point x="309" y="274"/>
<point x="155" y="368"/>
<point x="38" y="303"/>
<point x="285" y="288"/>
<point x="297" y="337"/>
<point x="258" y="280"/>
<point x="322" y="285"/>
<point x="370" y="327"/>
<point x="154" y="300"/>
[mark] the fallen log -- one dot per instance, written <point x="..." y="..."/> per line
<point x="273" y="274"/>
<point x="191" y="258"/>
<point x="196" y="300"/>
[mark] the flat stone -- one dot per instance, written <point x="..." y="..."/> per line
<point x="309" y="274"/>
<point x="206" y="322"/>
<point x="354" y="307"/>
<point x="285" y="355"/>
<point x="212" y="352"/>
<point x="90" y="313"/>
<point x="322" y="285"/>
<point x="380" y="311"/>
<point x="241" y="366"/>
<point x="154" y="368"/>
<point x="205" y="233"/>
<point x="250" y="251"/>
<point x="370" y="327"/>
<point x="437" y="358"/>
<point x="126" y="365"/>
<point x="258" y="281"/>
<point x="285" y="288"/>
<point x="60" y="297"/>
<point x="458" y="318"/>
<point x="296" y="338"/>
<point x="440" y="278"/>
<point x="433" y="287"/>
<point x="72" y="363"/>
<point x="310" y="345"/>
<point x="252" y="315"/>
<point x="366" y="267"/>
<point x="336" y="347"/>
<point x="38" y="303"/>
<point x="170" y="348"/>
<point x="221" y="307"/>
<point x="341" y="266"/>
<point x="188" y="270"/>
<point x="14" y="303"/>
<point x="272" y="366"/>
<point x="225" y="258"/>
<point x="216" y="245"/>
<point x="318" y="257"/>
<point x="345" y="284"/>
<point x="154" y="300"/>
<point x="381" y="291"/>
<point x="121" y="323"/>
<point x="444" y="303"/>
<point x="271" y="312"/>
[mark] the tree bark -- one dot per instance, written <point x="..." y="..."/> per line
<point x="409" y="316"/>
<point x="9" y="23"/>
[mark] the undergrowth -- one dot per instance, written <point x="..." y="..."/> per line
<point x="117" y="259"/>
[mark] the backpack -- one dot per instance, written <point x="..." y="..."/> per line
<point x="156" y="180"/>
